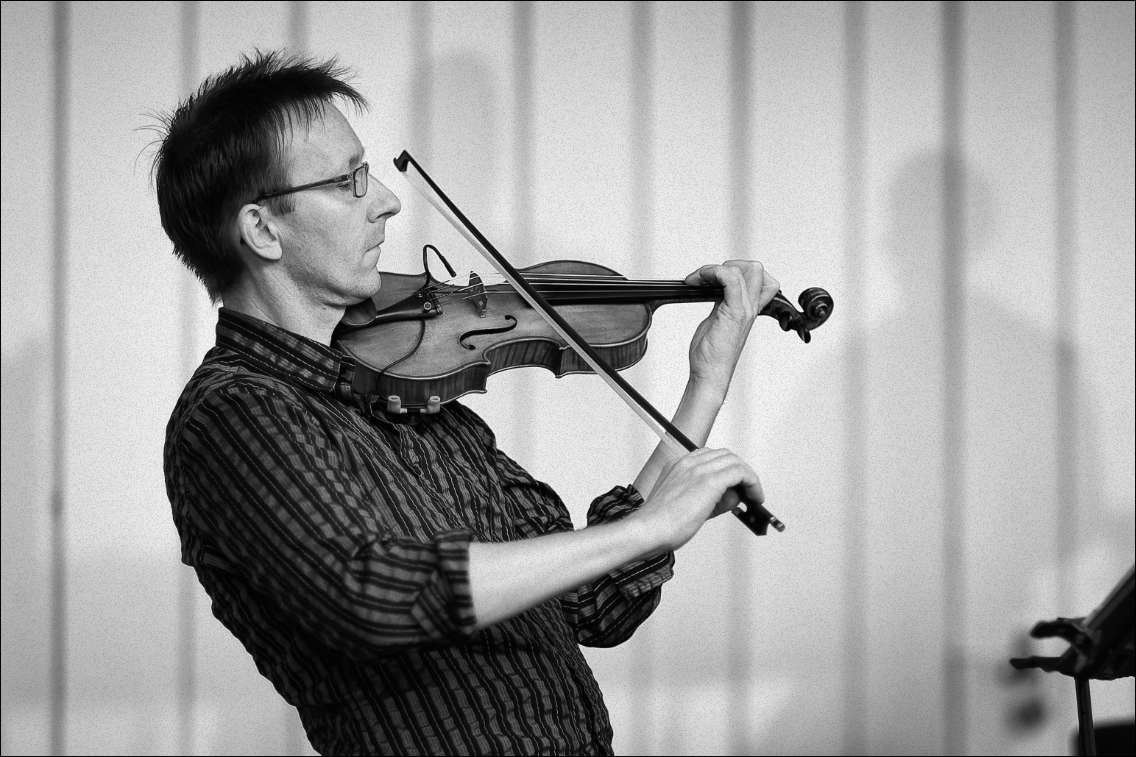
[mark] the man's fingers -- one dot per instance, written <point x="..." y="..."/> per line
<point x="703" y="275"/>
<point x="697" y="486"/>
<point x="722" y="470"/>
<point x="730" y="500"/>
<point x="754" y="491"/>
<point x="748" y="286"/>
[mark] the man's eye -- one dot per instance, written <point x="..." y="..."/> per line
<point x="345" y="186"/>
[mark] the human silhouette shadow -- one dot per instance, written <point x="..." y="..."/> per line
<point x="1009" y="515"/>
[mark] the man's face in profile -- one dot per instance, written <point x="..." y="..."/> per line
<point x="331" y="241"/>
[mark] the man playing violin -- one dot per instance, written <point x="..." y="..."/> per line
<point x="400" y="580"/>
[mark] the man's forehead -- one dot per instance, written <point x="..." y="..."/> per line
<point x="326" y="142"/>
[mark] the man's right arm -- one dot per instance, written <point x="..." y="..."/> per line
<point x="507" y="579"/>
<point x="263" y="490"/>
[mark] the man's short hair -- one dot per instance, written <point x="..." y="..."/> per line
<point x="224" y="146"/>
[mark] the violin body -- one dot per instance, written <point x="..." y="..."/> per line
<point x="418" y="338"/>
<point x="419" y="343"/>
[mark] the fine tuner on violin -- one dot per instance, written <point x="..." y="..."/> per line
<point x="420" y="342"/>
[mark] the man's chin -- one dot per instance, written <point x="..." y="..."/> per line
<point x="368" y="285"/>
<point x="362" y="288"/>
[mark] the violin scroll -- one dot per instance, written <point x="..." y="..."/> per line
<point x="816" y="306"/>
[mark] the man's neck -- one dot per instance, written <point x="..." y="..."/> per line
<point x="289" y="311"/>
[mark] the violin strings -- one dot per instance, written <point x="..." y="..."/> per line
<point x="593" y="295"/>
<point x="592" y="279"/>
<point x="622" y="285"/>
<point x="565" y="288"/>
<point x="568" y="283"/>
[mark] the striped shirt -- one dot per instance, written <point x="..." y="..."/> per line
<point x="333" y="539"/>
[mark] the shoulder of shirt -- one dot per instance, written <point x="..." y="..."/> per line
<point x="223" y="374"/>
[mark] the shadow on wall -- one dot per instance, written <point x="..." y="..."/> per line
<point x="1014" y="544"/>
<point x="122" y="620"/>
<point x="454" y="114"/>
<point x="24" y="574"/>
<point x="1009" y="460"/>
<point x="1012" y="540"/>
<point x="463" y="127"/>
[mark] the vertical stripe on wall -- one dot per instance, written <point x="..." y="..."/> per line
<point x="61" y="158"/>
<point x="855" y="624"/>
<point x="741" y="39"/>
<point x="298" y="27"/>
<point x="523" y="91"/>
<point x="954" y="333"/>
<point x="642" y="122"/>
<point x="189" y="292"/>
<point x="421" y="115"/>
<point x="642" y="675"/>
<point x="741" y="195"/>
<point x="1066" y="234"/>
<point x="524" y="238"/>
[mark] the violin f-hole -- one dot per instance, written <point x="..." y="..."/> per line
<point x="478" y="332"/>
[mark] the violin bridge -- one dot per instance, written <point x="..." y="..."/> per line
<point x="480" y="299"/>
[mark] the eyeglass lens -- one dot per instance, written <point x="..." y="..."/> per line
<point x="359" y="180"/>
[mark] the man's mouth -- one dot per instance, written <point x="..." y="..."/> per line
<point x="377" y="249"/>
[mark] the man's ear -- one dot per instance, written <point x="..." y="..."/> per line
<point x="257" y="232"/>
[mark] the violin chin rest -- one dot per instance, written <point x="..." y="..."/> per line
<point x="360" y="314"/>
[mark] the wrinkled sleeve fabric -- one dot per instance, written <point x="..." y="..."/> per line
<point x="607" y="611"/>
<point x="604" y="612"/>
<point x="271" y="499"/>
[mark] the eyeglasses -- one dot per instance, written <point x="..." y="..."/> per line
<point x="358" y="179"/>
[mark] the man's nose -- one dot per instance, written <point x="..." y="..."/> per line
<point x="384" y="202"/>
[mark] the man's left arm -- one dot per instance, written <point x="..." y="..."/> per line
<point x="663" y="510"/>
<point x="714" y="353"/>
<point x="606" y="612"/>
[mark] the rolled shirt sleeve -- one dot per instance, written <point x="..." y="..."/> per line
<point x="606" y="612"/>
<point x="639" y="577"/>
<point x="267" y="498"/>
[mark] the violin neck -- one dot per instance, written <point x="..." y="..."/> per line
<point x="612" y="290"/>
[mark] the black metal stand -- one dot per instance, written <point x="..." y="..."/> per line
<point x="1086" y="737"/>
<point x="1100" y="647"/>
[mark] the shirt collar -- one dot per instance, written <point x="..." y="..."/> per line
<point x="280" y="353"/>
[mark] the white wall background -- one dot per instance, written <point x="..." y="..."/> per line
<point x="953" y="454"/>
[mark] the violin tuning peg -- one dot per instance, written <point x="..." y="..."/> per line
<point x="433" y="405"/>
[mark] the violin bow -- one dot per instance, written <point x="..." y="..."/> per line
<point x="754" y="515"/>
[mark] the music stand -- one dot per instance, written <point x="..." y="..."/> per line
<point x="1100" y="647"/>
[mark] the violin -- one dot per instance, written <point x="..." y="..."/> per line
<point x="420" y="343"/>
<point x="491" y="328"/>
